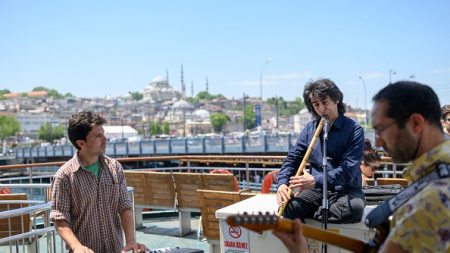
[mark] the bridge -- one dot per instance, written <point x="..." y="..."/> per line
<point x="175" y="146"/>
<point x="227" y="144"/>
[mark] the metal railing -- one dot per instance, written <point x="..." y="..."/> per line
<point x="248" y="169"/>
<point x="29" y="238"/>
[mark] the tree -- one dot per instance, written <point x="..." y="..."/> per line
<point x="218" y="121"/>
<point x="193" y="100"/>
<point x="68" y="95"/>
<point x="4" y="91"/>
<point x="295" y="106"/>
<point x="9" y="126"/>
<point x="166" y="128"/>
<point x="50" y="92"/>
<point x="136" y="95"/>
<point x="49" y="133"/>
<point x="207" y="96"/>
<point x="155" y="128"/>
<point x="250" y="117"/>
<point x="287" y="108"/>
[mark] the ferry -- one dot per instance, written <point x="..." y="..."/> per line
<point x="199" y="192"/>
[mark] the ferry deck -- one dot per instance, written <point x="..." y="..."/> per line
<point x="166" y="229"/>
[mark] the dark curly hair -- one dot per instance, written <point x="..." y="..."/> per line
<point x="322" y="88"/>
<point x="81" y="123"/>
<point x="370" y="155"/>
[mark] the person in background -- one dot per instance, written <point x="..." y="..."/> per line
<point x="445" y="119"/>
<point x="257" y="178"/>
<point x="344" y="151"/>
<point x="406" y="119"/>
<point x="90" y="204"/>
<point x="370" y="163"/>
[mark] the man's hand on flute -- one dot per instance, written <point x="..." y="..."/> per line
<point x="301" y="183"/>
<point x="283" y="194"/>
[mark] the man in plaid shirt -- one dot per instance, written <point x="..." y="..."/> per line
<point x="90" y="204"/>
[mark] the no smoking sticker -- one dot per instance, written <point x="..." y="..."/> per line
<point x="235" y="232"/>
<point x="234" y="238"/>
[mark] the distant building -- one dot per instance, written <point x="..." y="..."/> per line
<point x="179" y="115"/>
<point x="119" y="132"/>
<point x="199" y="123"/>
<point x="34" y="94"/>
<point x="31" y="122"/>
<point x="159" y="90"/>
<point x="39" y="93"/>
<point x="301" y="119"/>
<point x="12" y="95"/>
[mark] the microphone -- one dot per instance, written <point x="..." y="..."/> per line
<point x="326" y="128"/>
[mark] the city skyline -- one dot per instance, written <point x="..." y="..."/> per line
<point x="109" y="48"/>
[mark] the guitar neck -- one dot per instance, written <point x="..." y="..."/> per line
<point x="309" y="231"/>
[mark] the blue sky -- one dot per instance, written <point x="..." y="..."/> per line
<point x="108" y="48"/>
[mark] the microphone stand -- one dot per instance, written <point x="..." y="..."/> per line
<point x="326" y="128"/>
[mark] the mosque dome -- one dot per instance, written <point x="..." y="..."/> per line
<point x="202" y="114"/>
<point x="159" y="90"/>
<point x="158" y="79"/>
<point x="182" y="104"/>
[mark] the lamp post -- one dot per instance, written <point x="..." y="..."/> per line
<point x="245" y="113"/>
<point x="365" y="103"/>
<point x="277" y="109"/>
<point x="184" y="122"/>
<point x="122" y="129"/>
<point x="260" y="77"/>
<point x="391" y="72"/>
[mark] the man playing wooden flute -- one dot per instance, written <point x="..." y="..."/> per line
<point x="345" y="146"/>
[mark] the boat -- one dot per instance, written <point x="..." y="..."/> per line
<point x="159" y="228"/>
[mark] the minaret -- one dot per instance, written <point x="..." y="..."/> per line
<point x="167" y="76"/>
<point x="183" y="88"/>
<point x="206" y="84"/>
<point x="192" y="89"/>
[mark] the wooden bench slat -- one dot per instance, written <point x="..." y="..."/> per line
<point x="186" y="185"/>
<point x="210" y="202"/>
<point x="19" y="224"/>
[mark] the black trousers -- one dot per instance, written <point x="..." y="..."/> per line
<point x="344" y="207"/>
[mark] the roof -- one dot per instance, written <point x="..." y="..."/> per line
<point x="38" y="93"/>
<point x="12" y="95"/>
<point x="119" y="129"/>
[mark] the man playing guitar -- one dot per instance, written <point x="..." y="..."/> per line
<point x="406" y="120"/>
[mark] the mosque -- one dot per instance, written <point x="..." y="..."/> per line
<point x="159" y="90"/>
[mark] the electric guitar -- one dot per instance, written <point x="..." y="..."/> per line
<point x="261" y="222"/>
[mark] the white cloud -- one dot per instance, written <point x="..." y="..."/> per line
<point x="442" y="71"/>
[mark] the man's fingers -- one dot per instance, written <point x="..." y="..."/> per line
<point x="285" y="196"/>
<point x="298" y="228"/>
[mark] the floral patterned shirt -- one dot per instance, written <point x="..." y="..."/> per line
<point x="423" y="223"/>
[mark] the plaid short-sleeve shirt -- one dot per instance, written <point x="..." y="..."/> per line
<point x="91" y="207"/>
